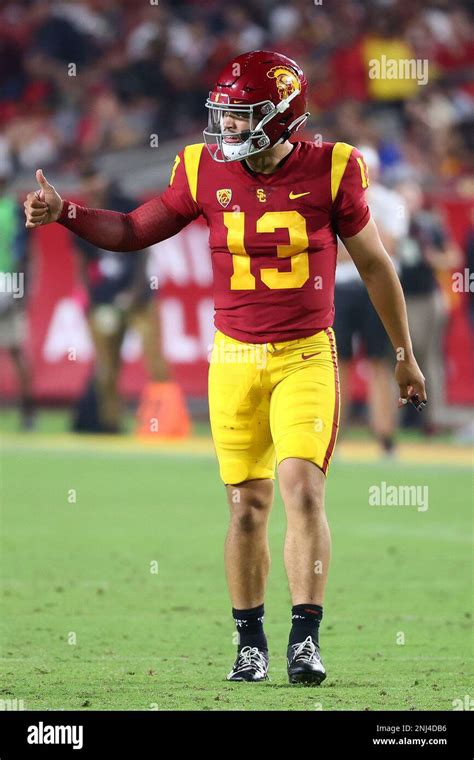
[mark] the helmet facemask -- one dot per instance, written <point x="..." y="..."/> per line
<point x="235" y="146"/>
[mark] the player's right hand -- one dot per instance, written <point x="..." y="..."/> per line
<point x="44" y="205"/>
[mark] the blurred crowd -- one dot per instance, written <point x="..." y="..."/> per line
<point x="80" y="77"/>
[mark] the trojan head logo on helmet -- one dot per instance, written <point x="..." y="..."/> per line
<point x="268" y="90"/>
<point x="286" y="80"/>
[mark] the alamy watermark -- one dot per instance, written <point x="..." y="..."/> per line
<point x="465" y="703"/>
<point x="385" y="495"/>
<point x="248" y="353"/>
<point x="47" y="734"/>
<point x="12" y="704"/>
<point x="399" y="68"/>
<point x="463" y="282"/>
<point x="12" y="282"/>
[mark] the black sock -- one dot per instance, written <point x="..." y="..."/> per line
<point x="305" y="620"/>
<point x="388" y="443"/>
<point x="249" y="624"/>
<point x="26" y="404"/>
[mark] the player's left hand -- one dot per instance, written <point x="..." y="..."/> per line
<point x="411" y="383"/>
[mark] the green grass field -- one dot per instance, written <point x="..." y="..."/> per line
<point x="87" y="625"/>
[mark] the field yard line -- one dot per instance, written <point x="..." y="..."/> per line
<point x="359" y="452"/>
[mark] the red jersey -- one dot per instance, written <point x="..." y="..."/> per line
<point x="273" y="236"/>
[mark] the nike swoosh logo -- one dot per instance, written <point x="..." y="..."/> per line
<point x="308" y="356"/>
<point x="293" y="195"/>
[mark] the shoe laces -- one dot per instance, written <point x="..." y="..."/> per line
<point x="307" y="651"/>
<point x="251" y="657"/>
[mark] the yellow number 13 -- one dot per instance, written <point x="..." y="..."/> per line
<point x="242" y="277"/>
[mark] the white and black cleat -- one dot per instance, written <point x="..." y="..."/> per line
<point x="251" y="665"/>
<point x="305" y="664"/>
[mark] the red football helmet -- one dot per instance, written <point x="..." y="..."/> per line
<point x="268" y="90"/>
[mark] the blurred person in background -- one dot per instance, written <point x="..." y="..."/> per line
<point x="357" y="321"/>
<point x="385" y="36"/>
<point x="120" y="297"/>
<point x="14" y="245"/>
<point x="466" y="433"/>
<point x="469" y="248"/>
<point x="425" y="251"/>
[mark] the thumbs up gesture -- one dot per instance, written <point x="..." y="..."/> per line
<point x="44" y="205"/>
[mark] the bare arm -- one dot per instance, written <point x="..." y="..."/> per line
<point x="381" y="280"/>
<point x="388" y="242"/>
<point x="445" y="259"/>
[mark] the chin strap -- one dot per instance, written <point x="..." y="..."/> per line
<point x="283" y="105"/>
<point x="293" y="127"/>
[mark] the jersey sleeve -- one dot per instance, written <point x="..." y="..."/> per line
<point x="148" y="224"/>
<point x="349" y="180"/>
<point x="181" y="194"/>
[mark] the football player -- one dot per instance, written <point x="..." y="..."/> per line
<point x="274" y="208"/>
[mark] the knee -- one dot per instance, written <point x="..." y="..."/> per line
<point x="246" y="520"/>
<point x="305" y="499"/>
<point x="250" y="514"/>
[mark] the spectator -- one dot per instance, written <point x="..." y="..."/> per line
<point x="120" y="297"/>
<point x="426" y="250"/>
<point x="356" y="318"/>
<point x="13" y="274"/>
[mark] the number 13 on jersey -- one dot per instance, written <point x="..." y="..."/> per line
<point x="242" y="277"/>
